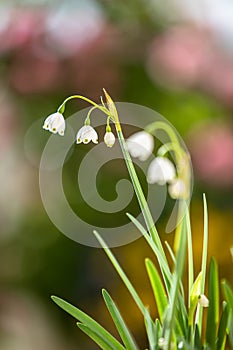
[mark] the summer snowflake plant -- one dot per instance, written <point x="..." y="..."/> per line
<point x="180" y="324"/>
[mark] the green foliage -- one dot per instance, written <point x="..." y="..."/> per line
<point x="181" y="324"/>
<point x="178" y="326"/>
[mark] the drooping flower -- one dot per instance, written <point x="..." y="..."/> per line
<point x="86" y="134"/>
<point x="55" y="123"/>
<point x="177" y="189"/>
<point x="161" y="170"/>
<point x="203" y="300"/>
<point x="140" y="145"/>
<point x="109" y="138"/>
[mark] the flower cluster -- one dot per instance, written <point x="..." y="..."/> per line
<point x="55" y="123"/>
<point x="161" y="170"/>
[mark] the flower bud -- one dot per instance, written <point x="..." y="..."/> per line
<point x="203" y="300"/>
<point x="109" y="139"/>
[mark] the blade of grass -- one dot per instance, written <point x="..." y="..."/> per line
<point x="174" y="262"/>
<point x="125" y="335"/>
<point x="150" y="329"/>
<point x="121" y="273"/>
<point x="166" y="273"/>
<point x="164" y="267"/>
<point x="222" y="330"/>
<point x="97" y="338"/>
<point x="140" y="195"/>
<point x="194" y="294"/>
<point x="213" y="309"/>
<point x="89" y="322"/>
<point x="203" y="263"/>
<point x="228" y="293"/>
<point x="197" y="338"/>
<point x="157" y="287"/>
<point x="190" y="258"/>
<point x="175" y="285"/>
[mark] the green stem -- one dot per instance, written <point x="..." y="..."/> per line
<point x="165" y="127"/>
<point x="140" y="195"/>
<point x="61" y="108"/>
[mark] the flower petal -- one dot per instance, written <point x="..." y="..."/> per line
<point x="140" y="145"/>
<point x="161" y="170"/>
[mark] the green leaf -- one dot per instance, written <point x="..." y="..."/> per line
<point x="213" y="309"/>
<point x="157" y="287"/>
<point x="119" y="322"/>
<point x="222" y="330"/>
<point x="228" y="293"/>
<point x="204" y="262"/>
<point x="121" y="273"/>
<point x="174" y="295"/>
<point x="230" y="328"/>
<point x="94" y="326"/>
<point x="157" y="333"/>
<point x="174" y="261"/>
<point x="98" y="339"/>
<point x="194" y="294"/>
<point x="164" y="267"/>
<point x="151" y="331"/>
<point x="190" y="258"/>
<point x="197" y="338"/>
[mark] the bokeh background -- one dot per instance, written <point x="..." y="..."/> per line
<point x="174" y="56"/>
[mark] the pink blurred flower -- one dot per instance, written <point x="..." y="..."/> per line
<point x="178" y="55"/>
<point x="211" y="148"/>
<point x="30" y="73"/>
<point x="217" y="78"/>
<point x="21" y="26"/>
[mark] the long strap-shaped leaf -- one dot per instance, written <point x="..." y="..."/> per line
<point x="152" y="332"/>
<point x="222" y="330"/>
<point x="157" y="287"/>
<point x="165" y="270"/>
<point x="203" y="263"/>
<point x="174" y="293"/>
<point x="228" y="293"/>
<point x="213" y="309"/>
<point x="123" y="330"/>
<point x="96" y="337"/>
<point x="91" y="325"/>
<point x="121" y="273"/>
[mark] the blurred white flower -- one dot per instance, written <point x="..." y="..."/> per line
<point x="86" y="134"/>
<point x="55" y="123"/>
<point x="203" y="300"/>
<point x="161" y="170"/>
<point x="140" y="145"/>
<point x="177" y="189"/>
<point x="109" y="139"/>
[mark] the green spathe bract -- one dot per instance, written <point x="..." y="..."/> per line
<point x="180" y="324"/>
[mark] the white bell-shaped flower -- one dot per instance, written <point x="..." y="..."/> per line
<point x="55" y="123"/>
<point x="161" y="170"/>
<point x="109" y="138"/>
<point x="140" y="145"/>
<point x="177" y="189"/>
<point x="203" y="300"/>
<point x="86" y="134"/>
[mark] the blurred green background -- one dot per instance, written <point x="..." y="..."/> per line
<point x="173" y="56"/>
